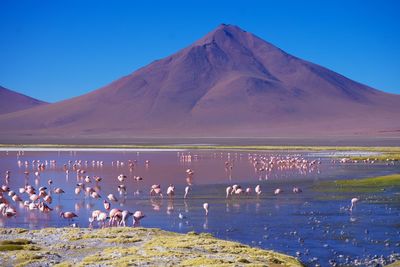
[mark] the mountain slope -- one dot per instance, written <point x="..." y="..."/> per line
<point x="11" y="101"/>
<point x="229" y="83"/>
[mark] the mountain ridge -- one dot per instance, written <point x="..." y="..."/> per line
<point x="11" y="101"/>
<point x="230" y="82"/>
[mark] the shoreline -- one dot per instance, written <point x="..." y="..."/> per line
<point x="123" y="246"/>
<point x="69" y="147"/>
<point x="309" y="140"/>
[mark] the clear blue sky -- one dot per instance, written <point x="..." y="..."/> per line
<point x="53" y="50"/>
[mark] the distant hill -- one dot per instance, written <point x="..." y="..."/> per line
<point x="11" y="101"/>
<point x="230" y="83"/>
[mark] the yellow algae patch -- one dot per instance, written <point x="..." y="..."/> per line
<point x="203" y="250"/>
<point x="64" y="264"/>
<point x="204" y="261"/>
<point x="24" y="258"/>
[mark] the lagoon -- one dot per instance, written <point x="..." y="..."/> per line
<point x="316" y="225"/>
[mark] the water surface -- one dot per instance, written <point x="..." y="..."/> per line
<point x="314" y="226"/>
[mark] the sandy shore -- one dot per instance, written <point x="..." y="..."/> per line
<point x="127" y="246"/>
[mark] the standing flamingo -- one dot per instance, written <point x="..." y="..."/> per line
<point x="137" y="216"/>
<point x="353" y="203"/>
<point x="48" y="199"/>
<point x="187" y="190"/>
<point x="115" y="216"/>
<point x="9" y="212"/>
<point x="205" y="207"/>
<point x="44" y="208"/>
<point x="125" y="216"/>
<point x="156" y="190"/>
<point x="107" y="205"/>
<point x="95" y="195"/>
<point x="257" y="189"/>
<point x="101" y="219"/>
<point x="248" y="190"/>
<point x="171" y="191"/>
<point x="122" y="189"/>
<point x="111" y="197"/>
<point x="68" y="215"/>
<point x="228" y="191"/>
<point x="278" y="191"/>
<point x="296" y="190"/>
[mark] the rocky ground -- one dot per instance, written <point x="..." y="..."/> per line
<point x="127" y="246"/>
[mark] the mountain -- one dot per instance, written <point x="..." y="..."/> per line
<point x="230" y="83"/>
<point x="11" y="101"/>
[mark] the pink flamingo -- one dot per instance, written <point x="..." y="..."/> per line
<point x="278" y="191"/>
<point x="257" y="189"/>
<point x="353" y="203"/>
<point x="111" y="197"/>
<point x="296" y="190"/>
<point x="58" y="190"/>
<point x="137" y="216"/>
<point x="187" y="189"/>
<point x="125" y="216"/>
<point x="248" y="190"/>
<point x="107" y="205"/>
<point x="228" y="191"/>
<point x="205" y="207"/>
<point x="156" y="190"/>
<point x="68" y="215"/>
<point x="9" y="212"/>
<point x="48" y="199"/>
<point x="115" y="216"/>
<point x="171" y="191"/>
<point x="95" y="195"/>
<point x="44" y="208"/>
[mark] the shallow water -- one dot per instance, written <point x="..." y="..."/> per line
<point x="316" y="227"/>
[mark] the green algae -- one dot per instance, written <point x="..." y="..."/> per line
<point x="366" y="185"/>
<point x="382" y="157"/>
<point x="11" y="247"/>
<point x="379" y="181"/>
<point x="17" y="244"/>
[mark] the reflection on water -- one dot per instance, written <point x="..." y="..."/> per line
<point x="312" y="226"/>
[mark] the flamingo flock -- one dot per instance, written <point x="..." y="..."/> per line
<point x="237" y="190"/>
<point x="41" y="198"/>
<point x="43" y="193"/>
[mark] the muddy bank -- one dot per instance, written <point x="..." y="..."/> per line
<point x="127" y="246"/>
